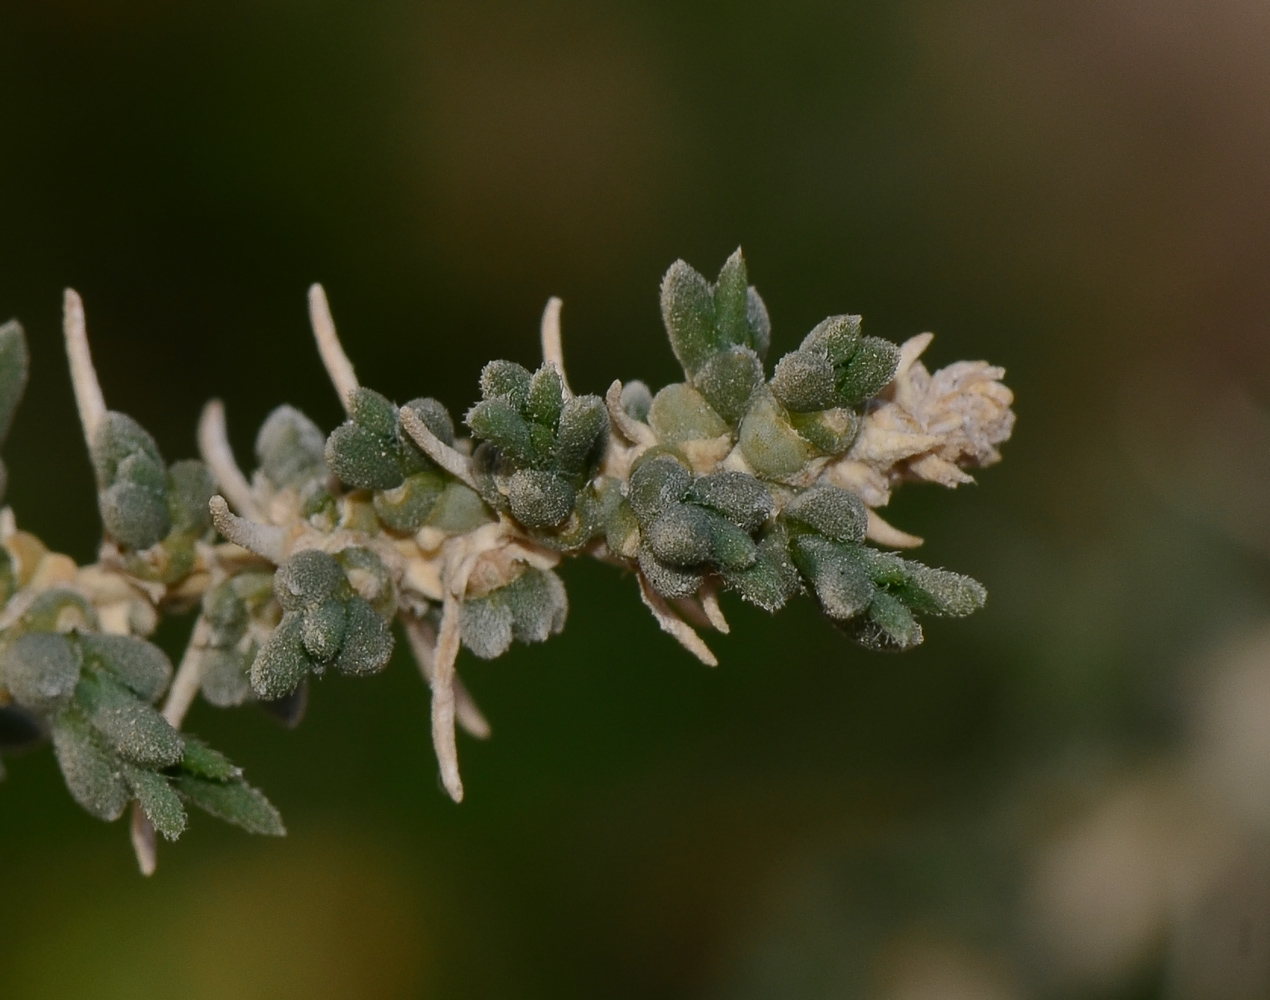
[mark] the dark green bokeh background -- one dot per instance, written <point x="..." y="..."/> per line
<point x="1075" y="190"/>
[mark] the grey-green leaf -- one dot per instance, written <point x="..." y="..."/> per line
<point x="233" y="801"/>
<point x="668" y="581"/>
<point x="14" y="365"/>
<point x="93" y="775"/>
<point x="204" y="762"/>
<point x="806" y="380"/>
<point x="538" y="605"/>
<point x="681" y="536"/>
<point x="118" y="438"/>
<point x="190" y="487"/>
<point x="128" y="725"/>
<point x="159" y="802"/>
<point x="368" y="640"/>
<point x="656" y="482"/>
<point x="760" y="324"/>
<point x="309" y="577"/>
<point x="838" y="337"/>
<point x="40" y="670"/>
<point x="506" y="380"/>
<point x="225" y="681"/>
<point x="485" y="625"/>
<point x="282" y="663"/>
<point x="364" y="459"/>
<point x="583" y="431"/>
<point x="136" y="516"/>
<point x="834" y="513"/>
<point x="687" y="309"/>
<point x="730" y="294"/>
<point x="739" y="497"/>
<point x="290" y="448"/>
<point x="728" y="380"/>
<point x="836" y="574"/>
<point x="871" y="367"/>
<point x="141" y="666"/>
<point x="377" y="413"/>
<point x="499" y="422"/>
<point x="539" y="499"/>
<point x="322" y="629"/>
<point x="546" y="397"/>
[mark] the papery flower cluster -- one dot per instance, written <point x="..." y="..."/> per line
<point x="735" y="479"/>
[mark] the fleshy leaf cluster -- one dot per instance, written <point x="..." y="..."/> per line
<point x="540" y="446"/>
<point x="325" y="623"/>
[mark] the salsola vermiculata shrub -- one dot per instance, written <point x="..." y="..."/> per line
<point x="729" y="480"/>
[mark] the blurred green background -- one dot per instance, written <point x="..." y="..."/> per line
<point x="1065" y="795"/>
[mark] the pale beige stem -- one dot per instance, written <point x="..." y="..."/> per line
<point x="189" y="675"/>
<point x="552" y="343"/>
<point x="443" y="740"/>
<point x="141" y="831"/>
<point x="676" y="626"/>
<point x="267" y="540"/>
<point x="213" y="446"/>
<point x="710" y="604"/>
<point x="886" y="534"/>
<point x="88" y="396"/>
<point x="423" y="641"/>
<point x="632" y="429"/>
<point x="338" y="367"/>
<point x="454" y="462"/>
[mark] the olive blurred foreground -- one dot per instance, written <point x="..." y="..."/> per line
<point x="729" y="480"/>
